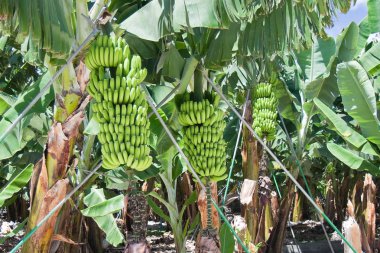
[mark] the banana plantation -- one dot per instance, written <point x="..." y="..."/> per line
<point x="141" y="126"/>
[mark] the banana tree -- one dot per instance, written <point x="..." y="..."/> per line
<point x="312" y="76"/>
<point x="49" y="40"/>
<point x="19" y="81"/>
<point x="358" y="128"/>
<point x="319" y="87"/>
<point x="167" y="20"/>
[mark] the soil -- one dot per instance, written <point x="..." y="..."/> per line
<point x="308" y="238"/>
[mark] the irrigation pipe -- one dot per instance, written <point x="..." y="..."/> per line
<point x="280" y="163"/>
<point x="52" y="211"/>
<point x="304" y="179"/>
<point x="55" y="76"/>
<point x="166" y="128"/>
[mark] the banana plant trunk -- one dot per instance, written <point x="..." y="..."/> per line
<point x="49" y="183"/>
<point x="258" y="213"/>
<point x="331" y="193"/>
<point x="363" y="211"/>
<point x="250" y="163"/>
<point x="208" y="239"/>
<point x="277" y="236"/>
<point x="137" y="216"/>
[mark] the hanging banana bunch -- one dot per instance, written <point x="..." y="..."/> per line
<point x="264" y="111"/>
<point x="120" y="107"/>
<point x="203" y="128"/>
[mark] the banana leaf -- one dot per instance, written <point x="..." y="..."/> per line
<point x="18" y="180"/>
<point x="107" y="223"/>
<point x="352" y="160"/>
<point x="359" y="99"/>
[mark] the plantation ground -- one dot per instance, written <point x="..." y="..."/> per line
<point x="309" y="238"/>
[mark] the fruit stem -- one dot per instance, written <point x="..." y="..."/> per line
<point x="198" y="84"/>
<point x="188" y="70"/>
<point x="208" y="199"/>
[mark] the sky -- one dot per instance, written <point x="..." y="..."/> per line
<point x="356" y="14"/>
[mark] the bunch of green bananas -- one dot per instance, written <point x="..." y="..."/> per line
<point x="264" y="111"/>
<point x="203" y="127"/>
<point x="120" y="107"/>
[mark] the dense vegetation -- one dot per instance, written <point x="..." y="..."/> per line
<point x="141" y="110"/>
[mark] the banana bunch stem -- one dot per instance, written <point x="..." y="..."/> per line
<point x="209" y="204"/>
<point x="198" y="85"/>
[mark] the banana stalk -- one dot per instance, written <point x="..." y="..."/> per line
<point x="250" y="164"/>
<point x="138" y="212"/>
<point x="208" y="240"/>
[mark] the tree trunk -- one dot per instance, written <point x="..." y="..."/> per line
<point x="49" y="183"/>
<point x="138" y="220"/>
<point x="250" y="163"/>
<point x="363" y="211"/>
<point x="297" y="214"/>
<point x="341" y="199"/>
<point x="186" y="188"/>
<point x="208" y="240"/>
<point x="265" y="213"/>
<point x="94" y="236"/>
<point x="369" y="204"/>
<point x="258" y="212"/>
<point x="330" y="206"/>
<point x="277" y="236"/>
<point x="352" y="231"/>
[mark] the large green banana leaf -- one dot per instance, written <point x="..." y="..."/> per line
<point x="17" y="181"/>
<point x="370" y="60"/>
<point x="314" y="61"/>
<point x="6" y="101"/>
<point x="374" y="15"/>
<point x="323" y="85"/>
<point x="359" y="99"/>
<point x="341" y="126"/>
<point x="286" y="101"/>
<point x="105" y="207"/>
<point x="107" y="223"/>
<point x="18" y="138"/>
<point x="227" y="240"/>
<point x="364" y="32"/>
<point x="347" y="43"/>
<point x="160" y="18"/>
<point x="352" y="160"/>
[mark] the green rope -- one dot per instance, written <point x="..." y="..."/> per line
<point x="234" y="154"/>
<point x="276" y="184"/>
<point x="309" y="191"/>
<point x="230" y="227"/>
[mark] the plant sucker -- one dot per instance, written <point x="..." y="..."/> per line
<point x="120" y="106"/>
